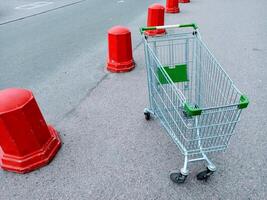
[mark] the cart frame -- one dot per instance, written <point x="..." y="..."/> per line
<point x="190" y="93"/>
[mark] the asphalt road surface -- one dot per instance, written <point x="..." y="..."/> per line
<point x="58" y="48"/>
<point x="109" y="150"/>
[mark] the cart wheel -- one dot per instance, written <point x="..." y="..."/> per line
<point x="204" y="175"/>
<point x="147" y="115"/>
<point x="177" y="177"/>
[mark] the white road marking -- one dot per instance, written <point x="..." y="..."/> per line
<point x="35" y="5"/>
<point x="120" y="1"/>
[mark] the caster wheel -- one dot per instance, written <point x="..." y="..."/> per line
<point x="204" y="175"/>
<point x="147" y="115"/>
<point x="177" y="177"/>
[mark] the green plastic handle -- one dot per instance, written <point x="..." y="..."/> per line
<point x="149" y="28"/>
<point x="243" y="102"/>
<point x="193" y="25"/>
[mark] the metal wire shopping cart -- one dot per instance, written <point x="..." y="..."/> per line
<point x="191" y="95"/>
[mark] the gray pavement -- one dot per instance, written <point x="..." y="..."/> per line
<point x="111" y="152"/>
<point x="61" y="54"/>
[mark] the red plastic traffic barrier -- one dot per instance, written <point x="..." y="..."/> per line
<point x="172" y="6"/>
<point x="155" y="17"/>
<point x="26" y="141"/>
<point x="120" y="56"/>
<point x="184" y="1"/>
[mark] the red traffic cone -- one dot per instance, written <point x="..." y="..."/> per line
<point x="27" y="142"/>
<point x="172" y="6"/>
<point x="155" y="17"/>
<point x="120" y="56"/>
<point x="184" y="1"/>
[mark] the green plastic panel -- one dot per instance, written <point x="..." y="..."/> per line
<point x="178" y="73"/>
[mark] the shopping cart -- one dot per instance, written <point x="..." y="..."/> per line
<point x="191" y="95"/>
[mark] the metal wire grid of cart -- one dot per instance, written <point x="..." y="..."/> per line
<point x="192" y="96"/>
